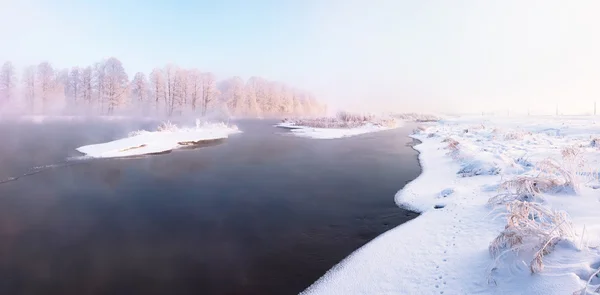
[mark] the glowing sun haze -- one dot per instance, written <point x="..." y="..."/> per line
<point x="437" y="55"/>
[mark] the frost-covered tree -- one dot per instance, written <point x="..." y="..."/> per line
<point x="8" y="82"/>
<point x="73" y="86"/>
<point x="170" y="77"/>
<point x="251" y="105"/>
<point x="98" y="86"/>
<point x="181" y="89"/>
<point x="286" y="102"/>
<point x="140" y="91"/>
<point x="29" y="86"/>
<point x="209" y="91"/>
<point x="116" y="84"/>
<point x="104" y="87"/>
<point x="157" y="84"/>
<point x="46" y="80"/>
<point x="232" y="95"/>
<point x="86" y="80"/>
<point x="194" y="88"/>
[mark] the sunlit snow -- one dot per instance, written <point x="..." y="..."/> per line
<point x="332" y="133"/>
<point x="445" y="249"/>
<point x="146" y="142"/>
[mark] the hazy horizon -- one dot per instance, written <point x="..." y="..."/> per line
<point x="426" y="56"/>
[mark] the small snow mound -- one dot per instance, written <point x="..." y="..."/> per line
<point x="478" y="167"/>
<point x="167" y="137"/>
<point x="446" y="192"/>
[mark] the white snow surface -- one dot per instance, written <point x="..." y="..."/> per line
<point x="332" y="133"/>
<point x="147" y="142"/>
<point x="445" y="251"/>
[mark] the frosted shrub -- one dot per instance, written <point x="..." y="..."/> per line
<point x="524" y="188"/>
<point x="477" y="167"/>
<point x="417" y="117"/>
<point x="516" y="135"/>
<point x="564" y="174"/>
<point x="212" y="125"/>
<point x="344" y="120"/>
<point x="531" y="226"/>
<point x="453" y="147"/>
<point x="167" y="126"/>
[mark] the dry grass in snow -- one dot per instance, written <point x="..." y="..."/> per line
<point x="345" y="120"/>
<point x="531" y="226"/>
<point x="168" y="126"/>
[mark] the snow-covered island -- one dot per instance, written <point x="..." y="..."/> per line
<point x="167" y="137"/>
<point x="343" y="125"/>
<point x="509" y="206"/>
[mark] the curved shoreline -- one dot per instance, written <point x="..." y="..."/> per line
<point x="323" y="281"/>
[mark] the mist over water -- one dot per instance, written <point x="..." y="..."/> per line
<point x="260" y="213"/>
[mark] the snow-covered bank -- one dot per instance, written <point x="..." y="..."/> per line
<point x="493" y="180"/>
<point x="164" y="140"/>
<point x="344" y="124"/>
<point x="332" y="133"/>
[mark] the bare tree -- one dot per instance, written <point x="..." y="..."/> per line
<point x="8" y="82"/>
<point x="29" y="86"/>
<point x="209" y="91"/>
<point x="104" y="87"/>
<point x="232" y="91"/>
<point x="99" y="85"/>
<point x="194" y="87"/>
<point x="46" y="80"/>
<point x="86" y="86"/>
<point x="251" y="105"/>
<point x="286" y="102"/>
<point x="140" y="91"/>
<point x="116" y="83"/>
<point x="74" y="85"/>
<point x="181" y="88"/>
<point x="170" y="75"/>
<point x="157" y="81"/>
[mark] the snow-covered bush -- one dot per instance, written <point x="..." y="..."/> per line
<point x="212" y="125"/>
<point x="344" y="120"/>
<point x="563" y="174"/>
<point x="516" y="135"/>
<point x="479" y="167"/>
<point x="532" y="230"/>
<point x="452" y="147"/>
<point x="551" y="177"/>
<point x="167" y="126"/>
<point x="416" y="117"/>
<point x="525" y="188"/>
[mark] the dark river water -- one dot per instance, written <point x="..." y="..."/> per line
<point x="260" y="213"/>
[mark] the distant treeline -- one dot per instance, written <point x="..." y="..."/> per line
<point x="105" y="88"/>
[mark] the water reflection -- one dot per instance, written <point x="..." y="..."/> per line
<point x="258" y="213"/>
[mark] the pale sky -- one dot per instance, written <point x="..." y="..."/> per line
<point x="360" y="55"/>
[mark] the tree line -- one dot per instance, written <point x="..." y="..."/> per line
<point x="105" y="89"/>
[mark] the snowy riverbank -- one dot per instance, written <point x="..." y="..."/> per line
<point x="332" y="133"/>
<point x="168" y="137"/>
<point x="498" y="182"/>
